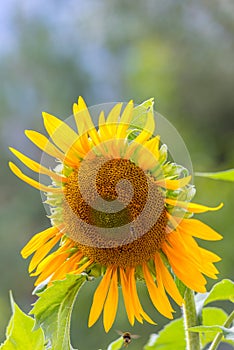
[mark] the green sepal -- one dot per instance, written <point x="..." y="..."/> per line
<point x="140" y="113"/>
<point x="139" y="118"/>
<point x="163" y="152"/>
<point x="180" y="285"/>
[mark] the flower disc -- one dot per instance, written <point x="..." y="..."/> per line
<point x="114" y="236"/>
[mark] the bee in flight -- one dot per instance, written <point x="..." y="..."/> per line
<point x="127" y="337"/>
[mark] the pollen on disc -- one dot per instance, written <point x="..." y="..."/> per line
<point x="90" y="228"/>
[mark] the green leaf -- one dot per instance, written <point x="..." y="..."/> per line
<point x="223" y="290"/>
<point x="116" y="345"/>
<point x="228" y="333"/>
<point x="227" y="175"/>
<point x="172" y="334"/>
<point x="20" y="334"/>
<point x="211" y="316"/>
<point x="53" y="310"/>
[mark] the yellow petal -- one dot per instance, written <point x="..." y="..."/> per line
<point x="145" y="159"/>
<point x="32" y="182"/>
<point x="67" y="267"/>
<point x="38" y="240"/>
<point x="90" y="128"/>
<point x="135" y="300"/>
<point x="190" y="276"/>
<point x="114" y="114"/>
<point x="78" y="150"/>
<point x="134" y="296"/>
<point x="111" y="304"/>
<point x="148" y="130"/>
<point x="82" y="267"/>
<point x="81" y="113"/>
<point x="148" y="155"/>
<point x="209" y="256"/>
<point x="198" y="229"/>
<point x="100" y="297"/>
<point x="83" y="122"/>
<point x="43" y="251"/>
<point x="44" y="144"/>
<point x="153" y="146"/>
<point x="189" y="247"/>
<point x="173" y="184"/>
<point x="62" y="252"/>
<point x="125" y="121"/>
<point x="186" y="245"/>
<point x="113" y="119"/>
<point x="53" y="263"/>
<point x="167" y="280"/>
<point x="103" y="129"/>
<point x="61" y="134"/>
<point x="157" y="294"/>
<point x="209" y="270"/>
<point x="127" y="296"/>
<point x="34" y="166"/>
<point x="50" y="264"/>
<point x="192" y="207"/>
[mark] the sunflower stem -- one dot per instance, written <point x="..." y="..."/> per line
<point x="190" y="320"/>
<point x="219" y="336"/>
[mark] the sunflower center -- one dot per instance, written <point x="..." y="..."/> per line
<point x="114" y="212"/>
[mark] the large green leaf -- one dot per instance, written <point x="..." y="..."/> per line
<point x="53" y="310"/>
<point x="227" y="175"/>
<point x="20" y="334"/>
<point x="171" y="335"/>
<point x="223" y="290"/>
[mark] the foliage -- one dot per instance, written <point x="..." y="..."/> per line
<point x="227" y="175"/>
<point x="212" y="321"/>
<point x="54" y="306"/>
<point x="20" y="334"/>
<point x="53" y="310"/>
<point x="116" y="344"/>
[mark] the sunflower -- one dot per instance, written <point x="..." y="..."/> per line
<point x="118" y="209"/>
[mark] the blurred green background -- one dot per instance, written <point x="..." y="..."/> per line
<point x="179" y="52"/>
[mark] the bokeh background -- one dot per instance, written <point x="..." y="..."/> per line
<point x="179" y="52"/>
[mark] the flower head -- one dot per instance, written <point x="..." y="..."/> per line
<point x="118" y="209"/>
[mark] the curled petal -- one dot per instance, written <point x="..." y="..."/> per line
<point x="192" y="207"/>
<point x="32" y="182"/>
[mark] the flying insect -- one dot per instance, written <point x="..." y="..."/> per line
<point x="127" y="337"/>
